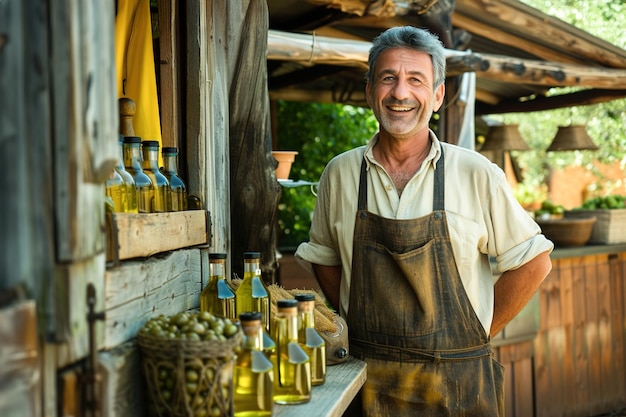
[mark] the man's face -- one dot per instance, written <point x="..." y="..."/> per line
<point x="402" y="95"/>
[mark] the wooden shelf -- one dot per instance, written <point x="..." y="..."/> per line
<point x="343" y="382"/>
<point x="142" y="235"/>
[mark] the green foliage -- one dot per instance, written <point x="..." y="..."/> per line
<point x="318" y="131"/>
<point x="610" y="202"/>
<point x="604" y="121"/>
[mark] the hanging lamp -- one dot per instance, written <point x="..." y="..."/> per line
<point x="572" y="138"/>
<point x="504" y="138"/>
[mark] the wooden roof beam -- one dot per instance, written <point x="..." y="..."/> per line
<point x="578" y="98"/>
<point x="541" y="73"/>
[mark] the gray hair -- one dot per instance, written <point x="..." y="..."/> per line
<point x="411" y="38"/>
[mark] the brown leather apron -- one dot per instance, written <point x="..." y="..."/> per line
<point x="411" y="320"/>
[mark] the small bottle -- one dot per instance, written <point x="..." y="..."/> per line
<point x="217" y="297"/>
<point x="292" y="367"/>
<point x="178" y="189"/>
<point x="310" y="340"/>
<point x="129" y="183"/>
<point x="252" y="294"/>
<point x="132" y="163"/>
<point x="150" y="165"/>
<point x="253" y="379"/>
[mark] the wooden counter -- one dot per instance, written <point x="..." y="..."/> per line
<point x="331" y="399"/>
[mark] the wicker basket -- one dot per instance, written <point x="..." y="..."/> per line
<point x="188" y="378"/>
<point x="568" y="232"/>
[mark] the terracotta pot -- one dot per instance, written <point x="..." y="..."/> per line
<point x="285" y="159"/>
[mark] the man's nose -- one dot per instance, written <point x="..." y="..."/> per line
<point x="401" y="89"/>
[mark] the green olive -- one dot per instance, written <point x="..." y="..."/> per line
<point x="181" y="319"/>
<point x="205" y="316"/>
<point x="201" y="412"/>
<point x="198" y="402"/>
<point x="230" y="330"/>
<point x="166" y="394"/>
<point x="191" y="375"/>
<point x="191" y="387"/>
<point x="193" y="336"/>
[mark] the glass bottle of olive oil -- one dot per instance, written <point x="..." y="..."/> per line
<point x="253" y="378"/>
<point x="129" y="183"/>
<point x="132" y="163"/>
<point x="178" y="189"/>
<point x="310" y="340"/>
<point x="252" y="295"/>
<point x="292" y="367"/>
<point x="116" y="191"/>
<point x="217" y="297"/>
<point x="150" y="165"/>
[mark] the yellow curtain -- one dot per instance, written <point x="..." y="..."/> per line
<point x="136" y="77"/>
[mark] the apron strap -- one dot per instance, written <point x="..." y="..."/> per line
<point x="363" y="186"/>
<point x="438" y="192"/>
<point x="439" y="187"/>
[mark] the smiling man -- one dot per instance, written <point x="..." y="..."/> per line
<point x="400" y="242"/>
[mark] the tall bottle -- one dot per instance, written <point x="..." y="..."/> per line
<point x="310" y="340"/>
<point x="292" y="367"/>
<point x="129" y="183"/>
<point x="253" y="379"/>
<point x="178" y="189"/>
<point x="252" y="294"/>
<point x="217" y="297"/>
<point x="150" y="165"/>
<point x="132" y="163"/>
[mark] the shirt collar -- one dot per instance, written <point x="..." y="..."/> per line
<point x="433" y="155"/>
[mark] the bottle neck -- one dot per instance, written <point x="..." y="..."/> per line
<point x="308" y="319"/>
<point x="251" y="268"/>
<point x="254" y="335"/>
<point x="290" y="315"/>
<point x="169" y="164"/>
<point x="217" y="270"/>
<point x="132" y="156"/>
<point x="150" y="158"/>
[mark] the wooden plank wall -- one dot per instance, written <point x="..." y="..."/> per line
<point x="576" y="365"/>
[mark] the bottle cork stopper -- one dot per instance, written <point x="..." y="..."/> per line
<point x="127" y="109"/>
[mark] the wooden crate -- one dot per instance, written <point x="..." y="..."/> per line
<point x="610" y="225"/>
<point x="142" y="235"/>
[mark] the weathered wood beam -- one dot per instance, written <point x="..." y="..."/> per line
<point x="168" y="70"/>
<point x="382" y="8"/>
<point x="579" y="98"/>
<point x="523" y="27"/>
<point x="549" y="74"/>
<point x="310" y="50"/>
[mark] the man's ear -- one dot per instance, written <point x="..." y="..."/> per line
<point x="440" y="93"/>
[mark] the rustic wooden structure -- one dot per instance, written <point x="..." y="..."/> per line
<point x="58" y="129"/>
<point x="576" y="363"/>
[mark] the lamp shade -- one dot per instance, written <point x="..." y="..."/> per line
<point x="571" y="138"/>
<point x="504" y="138"/>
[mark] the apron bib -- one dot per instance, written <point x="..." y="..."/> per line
<point x="412" y="322"/>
